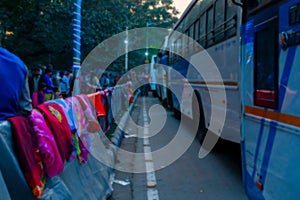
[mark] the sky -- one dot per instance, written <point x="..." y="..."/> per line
<point x="181" y="5"/>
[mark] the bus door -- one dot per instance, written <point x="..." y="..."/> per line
<point x="270" y="130"/>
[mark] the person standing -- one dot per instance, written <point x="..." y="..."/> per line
<point x="71" y="78"/>
<point x="34" y="85"/>
<point x="49" y="92"/>
<point x="14" y="90"/>
<point x="34" y="80"/>
<point x="64" y="84"/>
<point x="111" y="82"/>
<point x="103" y="81"/>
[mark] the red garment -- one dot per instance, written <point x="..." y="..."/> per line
<point x="96" y="101"/>
<point x="28" y="153"/>
<point x="58" y="124"/>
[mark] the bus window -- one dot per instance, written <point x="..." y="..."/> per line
<point x="252" y="5"/>
<point x="191" y="38"/>
<point x="185" y="43"/>
<point x="197" y="31"/>
<point x="210" y="26"/>
<point x="231" y="11"/>
<point x="266" y="66"/>
<point x="180" y="46"/>
<point x="197" y="35"/>
<point x="219" y="20"/>
<point x="202" y="33"/>
<point x="191" y="31"/>
<point x="175" y="50"/>
<point x="294" y="14"/>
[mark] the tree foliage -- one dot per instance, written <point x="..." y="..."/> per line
<point x="40" y="31"/>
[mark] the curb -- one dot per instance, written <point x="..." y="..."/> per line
<point x="117" y="136"/>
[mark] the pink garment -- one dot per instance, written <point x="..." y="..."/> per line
<point x="52" y="161"/>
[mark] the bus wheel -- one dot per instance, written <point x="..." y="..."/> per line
<point x="177" y="114"/>
<point x="169" y="100"/>
<point x="199" y="118"/>
<point x="154" y="93"/>
<point x="165" y="103"/>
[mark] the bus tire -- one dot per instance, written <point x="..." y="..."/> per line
<point x="165" y="103"/>
<point x="169" y="100"/>
<point x="177" y="114"/>
<point x="201" y="131"/>
<point x="154" y="93"/>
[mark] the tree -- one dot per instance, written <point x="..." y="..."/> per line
<point x="40" y="31"/>
<point x="103" y="19"/>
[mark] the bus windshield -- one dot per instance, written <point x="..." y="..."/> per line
<point x="252" y="5"/>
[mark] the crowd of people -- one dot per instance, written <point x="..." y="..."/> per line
<point x="42" y="83"/>
<point x="46" y="84"/>
<point x="93" y="81"/>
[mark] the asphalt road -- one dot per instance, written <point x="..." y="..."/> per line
<point x="217" y="176"/>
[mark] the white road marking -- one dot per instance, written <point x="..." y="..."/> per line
<point x="152" y="192"/>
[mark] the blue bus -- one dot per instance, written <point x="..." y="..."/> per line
<point x="270" y="60"/>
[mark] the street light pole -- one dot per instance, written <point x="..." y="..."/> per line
<point x="126" y="50"/>
<point x="147" y="41"/>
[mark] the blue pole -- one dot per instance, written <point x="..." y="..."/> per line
<point x="76" y="45"/>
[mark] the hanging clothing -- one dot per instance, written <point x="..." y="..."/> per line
<point x="28" y="154"/>
<point x="90" y="114"/>
<point x="95" y="98"/>
<point x="52" y="161"/>
<point x="67" y="108"/>
<point x="58" y="124"/>
<point x="81" y="128"/>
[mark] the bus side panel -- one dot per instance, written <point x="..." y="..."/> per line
<point x="225" y="57"/>
<point x="271" y="136"/>
<point x="282" y="178"/>
<point x="279" y="177"/>
<point x="251" y="157"/>
<point x="177" y="90"/>
<point x="290" y="56"/>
